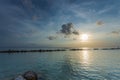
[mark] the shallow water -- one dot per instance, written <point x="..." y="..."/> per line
<point x="67" y="65"/>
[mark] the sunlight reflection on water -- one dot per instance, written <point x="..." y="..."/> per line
<point x="69" y="65"/>
<point x="85" y="57"/>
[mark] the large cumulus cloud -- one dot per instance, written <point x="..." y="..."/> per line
<point x="68" y="29"/>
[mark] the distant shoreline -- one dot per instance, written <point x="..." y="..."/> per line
<point x="54" y="50"/>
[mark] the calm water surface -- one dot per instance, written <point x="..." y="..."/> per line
<point x="68" y="65"/>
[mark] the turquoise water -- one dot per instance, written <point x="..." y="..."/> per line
<point x="67" y="65"/>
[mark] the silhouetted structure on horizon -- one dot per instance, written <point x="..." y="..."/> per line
<point x="55" y="50"/>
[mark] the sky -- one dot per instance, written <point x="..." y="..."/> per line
<point x="59" y="23"/>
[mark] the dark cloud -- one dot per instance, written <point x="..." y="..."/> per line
<point x="115" y="33"/>
<point x="52" y="37"/>
<point x="99" y="23"/>
<point x="68" y="29"/>
<point x="76" y="32"/>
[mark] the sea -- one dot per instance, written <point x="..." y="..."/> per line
<point x="63" y="65"/>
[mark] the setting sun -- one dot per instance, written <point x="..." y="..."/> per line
<point x="84" y="37"/>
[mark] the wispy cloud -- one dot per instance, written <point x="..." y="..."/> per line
<point x="88" y="3"/>
<point x="26" y="21"/>
<point x="28" y="4"/>
<point x="115" y="33"/>
<point x="105" y="10"/>
<point x="80" y="12"/>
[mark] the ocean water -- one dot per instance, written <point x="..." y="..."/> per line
<point x="66" y="65"/>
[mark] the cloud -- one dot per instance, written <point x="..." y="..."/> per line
<point x="68" y="29"/>
<point x="76" y="32"/>
<point x="88" y="3"/>
<point x="105" y="9"/>
<point x="28" y="4"/>
<point x="35" y="17"/>
<point x="116" y="33"/>
<point x="78" y="12"/>
<point x="99" y="23"/>
<point x="51" y="37"/>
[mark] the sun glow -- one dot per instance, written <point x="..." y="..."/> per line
<point x="84" y="37"/>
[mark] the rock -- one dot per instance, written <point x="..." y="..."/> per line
<point x="30" y="75"/>
<point x="20" y="78"/>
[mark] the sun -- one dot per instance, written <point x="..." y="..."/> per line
<point x="84" y="37"/>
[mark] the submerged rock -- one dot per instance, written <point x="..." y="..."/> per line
<point x="20" y="78"/>
<point x="30" y="75"/>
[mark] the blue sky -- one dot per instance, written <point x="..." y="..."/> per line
<point x="45" y="23"/>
